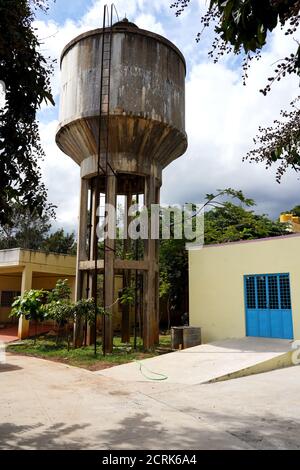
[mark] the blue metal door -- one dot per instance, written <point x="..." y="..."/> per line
<point x="268" y="306"/>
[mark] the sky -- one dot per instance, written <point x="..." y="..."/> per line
<point x="222" y="115"/>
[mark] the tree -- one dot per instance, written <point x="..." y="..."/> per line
<point x="295" y="211"/>
<point x="26" y="74"/>
<point x="59" y="307"/>
<point x="242" y="27"/>
<point x="31" y="231"/>
<point x="224" y="222"/>
<point x="60" y="242"/>
<point x="232" y="222"/>
<point x="31" y="306"/>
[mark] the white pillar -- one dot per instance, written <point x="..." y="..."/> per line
<point x="23" y="331"/>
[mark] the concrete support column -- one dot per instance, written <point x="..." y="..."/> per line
<point x="82" y="236"/>
<point x="150" y="316"/>
<point x="23" y="330"/>
<point x="92" y="283"/>
<point x="81" y="255"/>
<point x="109" y="264"/>
<point x="126" y="274"/>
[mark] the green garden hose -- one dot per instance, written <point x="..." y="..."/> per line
<point x="159" y="377"/>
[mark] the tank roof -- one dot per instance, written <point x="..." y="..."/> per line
<point x="125" y="26"/>
<point x="124" y="23"/>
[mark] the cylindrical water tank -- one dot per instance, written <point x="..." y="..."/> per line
<point x="147" y="100"/>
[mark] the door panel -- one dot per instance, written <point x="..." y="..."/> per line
<point x="268" y="306"/>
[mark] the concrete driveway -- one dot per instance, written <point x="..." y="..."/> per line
<point x="206" y="362"/>
<point x="46" y="405"/>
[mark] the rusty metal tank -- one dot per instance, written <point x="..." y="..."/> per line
<point x="147" y="101"/>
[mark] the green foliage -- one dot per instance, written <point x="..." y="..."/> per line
<point x="231" y="223"/>
<point x="59" y="307"/>
<point x="60" y="242"/>
<point x="242" y="27"/>
<point x="295" y="211"/>
<point x="279" y="144"/>
<point x="30" y="305"/>
<point x="60" y="311"/>
<point x="173" y="262"/>
<point x="50" y="349"/>
<point x="31" y="231"/>
<point x="61" y="292"/>
<point x="26" y="74"/>
<point x="224" y="222"/>
<point x="85" y="310"/>
<point x="128" y="296"/>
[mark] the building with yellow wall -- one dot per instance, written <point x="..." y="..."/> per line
<point x="292" y="221"/>
<point x="22" y="270"/>
<point x="248" y="288"/>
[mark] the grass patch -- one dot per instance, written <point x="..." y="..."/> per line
<point x="46" y="348"/>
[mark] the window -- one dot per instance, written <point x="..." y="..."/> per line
<point x="250" y="291"/>
<point x="261" y="292"/>
<point x="285" y="295"/>
<point x="268" y="291"/>
<point x="273" y="293"/>
<point x="7" y="298"/>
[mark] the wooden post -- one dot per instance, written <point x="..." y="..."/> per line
<point x="126" y="275"/>
<point x="150" y="327"/>
<point x="81" y="256"/>
<point x="109" y="264"/>
<point x="95" y="201"/>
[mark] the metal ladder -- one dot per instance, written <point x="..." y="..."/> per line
<point x="103" y="146"/>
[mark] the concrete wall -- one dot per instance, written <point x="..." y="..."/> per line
<point x="13" y="283"/>
<point x="48" y="283"/>
<point x="217" y="282"/>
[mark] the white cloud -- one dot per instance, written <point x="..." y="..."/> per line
<point x="148" y="22"/>
<point x="62" y="177"/>
<point x="222" y="115"/>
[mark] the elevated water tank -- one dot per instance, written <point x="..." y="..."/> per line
<point x="147" y="100"/>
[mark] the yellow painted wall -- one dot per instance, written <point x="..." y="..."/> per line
<point x="217" y="282"/>
<point x="48" y="283"/>
<point x="13" y="283"/>
<point x="8" y="283"/>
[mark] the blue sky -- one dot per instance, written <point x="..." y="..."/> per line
<point x="62" y="9"/>
<point x="222" y="116"/>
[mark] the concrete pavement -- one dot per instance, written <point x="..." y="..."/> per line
<point x="46" y="405"/>
<point x="203" y="363"/>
